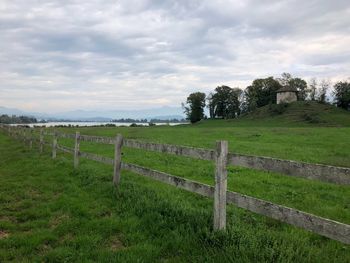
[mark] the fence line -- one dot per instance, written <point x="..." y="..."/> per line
<point x="322" y="226"/>
<point x="326" y="173"/>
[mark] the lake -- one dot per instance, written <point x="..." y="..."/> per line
<point x="52" y="124"/>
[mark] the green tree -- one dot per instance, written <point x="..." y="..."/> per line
<point x="262" y="92"/>
<point x="194" y="108"/>
<point x="18" y="120"/>
<point x="225" y="102"/>
<point x="342" y="94"/>
<point x="211" y="105"/>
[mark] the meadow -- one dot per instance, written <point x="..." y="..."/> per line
<point x="51" y="212"/>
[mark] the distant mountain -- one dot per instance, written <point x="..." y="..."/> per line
<point x="163" y="113"/>
<point x="9" y="111"/>
<point x="168" y="117"/>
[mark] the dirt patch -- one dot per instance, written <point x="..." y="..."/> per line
<point x="116" y="244"/>
<point x="8" y="219"/>
<point x="54" y="222"/>
<point x="66" y="238"/>
<point x="4" y="234"/>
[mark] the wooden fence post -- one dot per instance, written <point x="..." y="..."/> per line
<point x="24" y="135"/>
<point x="41" y="140"/>
<point x="30" y="139"/>
<point x="54" y="145"/>
<point x="117" y="159"/>
<point x="76" y="149"/>
<point x="220" y="185"/>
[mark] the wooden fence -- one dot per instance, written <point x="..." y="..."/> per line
<point x="322" y="226"/>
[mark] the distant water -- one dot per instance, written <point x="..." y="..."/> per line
<point x="52" y="124"/>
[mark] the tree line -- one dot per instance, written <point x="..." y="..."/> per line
<point x="17" y="119"/>
<point x="227" y="103"/>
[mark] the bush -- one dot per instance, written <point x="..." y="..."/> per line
<point x="278" y="108"/>
<point x="312" y="118"/>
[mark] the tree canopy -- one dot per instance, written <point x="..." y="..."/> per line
<point x="262" y="92"/>
<point x="224" y="102"/>
<point x="342" y="94"/>
<point x="17" y="119"/>
<point x="194" y="108"/>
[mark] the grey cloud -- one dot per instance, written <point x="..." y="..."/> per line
<point x="130" y="53"/>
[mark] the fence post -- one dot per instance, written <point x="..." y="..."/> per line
<point x="24" y="135"/>
<point x="41" y="140"/>
<point x="30" y="139"/>
<point x="54" y="145"/>
<point x="76" y="149"/>
<point x="117" y="159"/>
<point x="220" y="185"/>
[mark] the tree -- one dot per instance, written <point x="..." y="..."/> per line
<point x="324" y="86"/>
<point x="342" y="94"/>
<point x="211" y="105"/>
<point x="195" y="106"/>
<point x="301" y="86"/>
<point x="297" y="83"/>
<point x="14" y="119"/>
<point x="285" y="79"/>
<point x="262" y="92"/>
<point x="313" y="89"/>
<point x="225" y="102"/>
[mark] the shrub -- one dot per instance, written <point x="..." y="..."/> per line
<point x="278" y="108"/>
<point x="312" y="118"/>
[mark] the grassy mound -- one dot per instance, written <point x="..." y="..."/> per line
<point x="308" y="112"/>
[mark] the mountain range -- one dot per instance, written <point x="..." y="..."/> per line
<point x="162" y="113"/>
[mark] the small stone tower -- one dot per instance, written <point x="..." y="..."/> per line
<point x="286" y="95"/>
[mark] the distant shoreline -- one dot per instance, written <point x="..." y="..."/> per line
<point x="91" y="123"/>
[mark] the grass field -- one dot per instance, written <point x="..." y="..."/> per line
<point x="51" y="212"/>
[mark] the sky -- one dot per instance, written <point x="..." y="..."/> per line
<point x="61" y="55"/>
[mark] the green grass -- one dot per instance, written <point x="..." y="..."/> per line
<point x="51" y="212"/>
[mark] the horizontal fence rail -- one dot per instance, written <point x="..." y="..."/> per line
<point x="65" y="149"/>
<point x="97" y="139"/>
<point x="197" y="153"/>
<point x="65" y="135"/>
<point x="97" y="158"/>
<point x="319" y="225"/>
<point x="326" y="173"/>
<point x="186" y="184"/>
<point x="322" y="226"/>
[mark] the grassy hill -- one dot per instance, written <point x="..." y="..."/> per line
<point x="302" y="113"/>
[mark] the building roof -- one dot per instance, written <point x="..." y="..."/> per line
<point x="287" y="89"/>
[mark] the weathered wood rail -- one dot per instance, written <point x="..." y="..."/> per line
<point x="322" y="226"/>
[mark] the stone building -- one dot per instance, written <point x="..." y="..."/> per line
<point x="286" y="95"/>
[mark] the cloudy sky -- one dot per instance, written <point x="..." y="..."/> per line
<point x="58" y="55"/>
